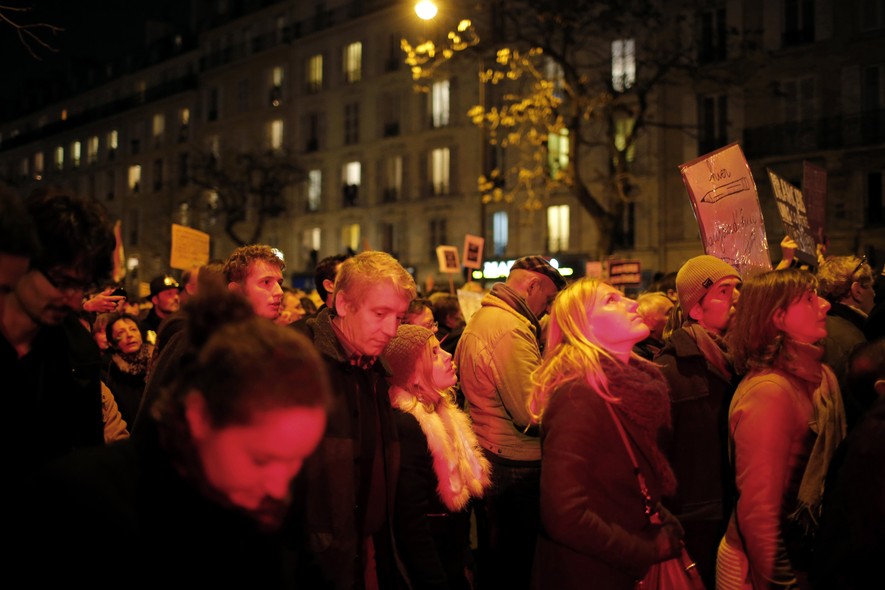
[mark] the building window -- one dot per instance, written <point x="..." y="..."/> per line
<point x="557" y="228"/>
<point x="800" y="130"/>
<point x="352" y="174"/>
<point x="557" y="153"/>
<point x="500" y="230"/>
<point x="875" y="204"/>
<point x="24" y="168"/>
<point x="276" y="86"/>
<point x="623" y="64"/>
<point x="183" y="169"/>
<point x="134" y="221"/>
<point x="111" y="185"/>
<point x="314" y="189"/>
<point x="440" y="103"/>
<point x="623" y="130"/>
<point x="390" y="114"/>
<point x="712" y="123"/>
<point x="353" y="62"/>
<point x="158" y="128"/>
<point x="312" y="126"/>
<point x="386" y="237"/>
<point x="135" y="179"/>
<point x="59" y="158"/>
<point x="92" y="150"/>
<point x="158" y="174"/>
<point x="439" y="171"/>
<point x="714" y="36"/>
<point x="311" y="239"/>
<point x="437" y="235"/>
<point x="350" y="236"/>
<point x="184" y="121"/>
<point x="38" y="166"/>
<point x="798" y="22"/>
<point x="393" y="179"/>
<point x="314" y="73"/>
<point x="243" y="87"/>
<point x="184" y="210"/>
<point x="75" y="154"/>
<point x="212" y="104"/>
<point x="276" y="134"/>
<point x="135" y="139"/>
<point x="873" y="15"/>
<point x="113" y="143"/>
<point x="351" y="123"/>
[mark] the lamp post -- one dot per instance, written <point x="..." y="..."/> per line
<point x="426" y="11"/>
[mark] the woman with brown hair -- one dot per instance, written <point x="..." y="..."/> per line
<point x="785" y="421"/>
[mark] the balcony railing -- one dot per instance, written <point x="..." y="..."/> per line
<point x="845" y="131"/>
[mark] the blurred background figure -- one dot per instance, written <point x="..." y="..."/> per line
<point x="653" y="308"/>
<point x="449" y="319"/>
<point x="291" y="308"/>
<point x="164" y="301"/>
<point x="127" y="371"/>
<point x="420" y="313"/>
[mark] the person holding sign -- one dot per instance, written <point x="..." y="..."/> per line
<point x="697" y="365"/>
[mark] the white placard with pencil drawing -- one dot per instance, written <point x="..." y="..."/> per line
<point x="726" y="205"/>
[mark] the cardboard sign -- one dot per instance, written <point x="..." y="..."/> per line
<point x="448" y="259"/>
<point x="814" y="189"/>
<point x="473" y="251"/>
<point x="190" y="247"/>
<point x="624" y="272"/>
<point x="791" y="207"/>
<point x="726" y="205"/>
<point x="470" y="302"/>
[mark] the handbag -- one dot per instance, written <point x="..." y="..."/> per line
<point x="679" y="573"/>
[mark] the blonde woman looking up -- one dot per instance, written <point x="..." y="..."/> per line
<point x="593" y="523"/>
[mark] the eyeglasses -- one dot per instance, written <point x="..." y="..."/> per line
<point x="65" y="284"/>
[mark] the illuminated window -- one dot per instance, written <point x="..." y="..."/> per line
<point x="158" y="126"/>
<point x="393" y="179"/>
<point x="113" y="138"/>
<point x="439" y="103"/>
<point x="557" y="152"/>
<point x="500" y="230"/>
<point x="184" y="119"/>
<point x="353" y="62"/>
<point x="92" y="149"/>
<point x="38" y="165"/>
<point x="623" y="64"/>
<point x="352" y="177"/>
<point x="314" y="189"/>
<point x="276" y="134"/>
<point x="135" y="178"/>
<point x="59" y="158"/>
<point x="350" y="236"/>
<point x="76" y="154"/>
<point x="439" y="171"/>
<point x="623" y="130"/>
<point x="311" y="239"/>
<point x="557" y="228"/>
<point x="276" y="86"/>
<point x="315" y="73"/>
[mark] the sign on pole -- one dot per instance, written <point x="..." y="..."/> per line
<point x="190" y="247"/>
<point x="726" y="205"/>
<point x="624" y="273"/>
<point x="791" y="207"/>
<point x="473" y="251"/>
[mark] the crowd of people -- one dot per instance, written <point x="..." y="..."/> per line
<point x="233" y="432"/>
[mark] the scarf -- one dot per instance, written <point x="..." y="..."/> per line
<point x="461" y="469"/>
<point x="713" y="348"/>
<point x="828" y="423"/>
<point x="517" y="302"/>
<point x="645" y="404"/>
<point x="135" y="363"/>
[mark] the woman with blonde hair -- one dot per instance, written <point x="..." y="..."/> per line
<point x="601" y="408"/>
<point x="442" y="466"/>
<point x="784" y="423"/>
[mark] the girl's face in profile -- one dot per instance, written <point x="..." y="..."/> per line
<point x="613" y="324"/>
<point x="805" y="319"/>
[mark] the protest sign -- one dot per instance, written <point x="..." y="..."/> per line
<point x="448" y="259"/>
<point x="624" y="272"/>
<point x="726" y="205"/>
<point x="473" y="251"/>
<point x="190" y="247"/>
<point x="814" y="189"/>
<point x="791" y="207"/>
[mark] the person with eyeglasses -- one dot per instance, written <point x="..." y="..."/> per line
<point x="847" y="283"/>
<point x="50" y="364"/>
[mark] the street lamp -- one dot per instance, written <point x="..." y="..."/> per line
<point x="426" y="9"/>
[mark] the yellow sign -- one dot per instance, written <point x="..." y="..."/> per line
<point x="190" y="247"/>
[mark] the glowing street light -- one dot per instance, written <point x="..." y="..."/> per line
<point x="426" y="9"/>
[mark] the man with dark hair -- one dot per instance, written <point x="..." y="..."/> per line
<point x="324" y="277"/>
<point x="50" y="364"/>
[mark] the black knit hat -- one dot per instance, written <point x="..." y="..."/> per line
<point x="540" y="265"/>
<point x="402" y="352"/>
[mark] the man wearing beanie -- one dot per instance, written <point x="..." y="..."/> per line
<point x="698" y="368"/>
<point x="497" y="352"/>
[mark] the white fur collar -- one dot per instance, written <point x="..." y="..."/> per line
<point x="461" y="469"/>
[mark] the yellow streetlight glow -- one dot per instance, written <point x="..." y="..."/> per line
<point x="425" y="9"/>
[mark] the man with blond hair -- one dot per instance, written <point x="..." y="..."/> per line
<point x="351" y="479"/>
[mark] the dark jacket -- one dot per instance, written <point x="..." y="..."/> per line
<point x="52" y="397"/>
<point x="698" y="449"/>
<point x="595" y="532"/>
<point x="127" y="388"/>
<point x="336" y="496"/>
<point x="123" y="515"/>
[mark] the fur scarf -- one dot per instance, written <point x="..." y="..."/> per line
<point x="461" y="469"/>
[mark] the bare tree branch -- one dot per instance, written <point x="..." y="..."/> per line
<point x="28" y="33"/>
